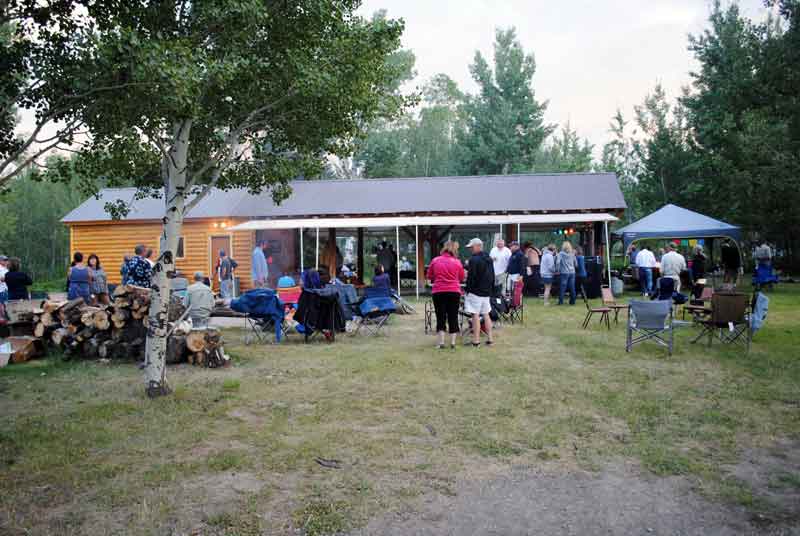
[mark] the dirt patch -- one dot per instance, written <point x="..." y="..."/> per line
<point x="618" y="500"/>
<point x="773" y="473"/>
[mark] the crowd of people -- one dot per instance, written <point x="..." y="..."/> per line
<point x="669" y="262"/>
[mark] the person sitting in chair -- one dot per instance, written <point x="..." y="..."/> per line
<point x="381" y="279"/>
<point x="199" y="301"/>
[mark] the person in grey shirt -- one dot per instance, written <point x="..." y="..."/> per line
<point x="225" y="271"/>
<point x="199" y="301"/>
<point x="565" y="266"/>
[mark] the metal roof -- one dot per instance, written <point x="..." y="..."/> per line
<point x="408" y="221"/>
<point x="564" y="192"/>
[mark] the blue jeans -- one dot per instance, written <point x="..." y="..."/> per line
<point x="567" y="280"/>
<point x="4" y="296"/>
<point x="646" y="280"/>
<point x="226" y="288"/>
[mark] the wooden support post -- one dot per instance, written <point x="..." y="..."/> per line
<point x="416" y="250"/>
<point x="360" y="253"/>
<point x="302" y="265"/>
<point x="397" y="237"/>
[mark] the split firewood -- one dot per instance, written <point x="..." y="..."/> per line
<point x="100" y="320"/>
<point x="38" y="330"/>
<point x="47" y="319"/>
<point x="59" y="335"/>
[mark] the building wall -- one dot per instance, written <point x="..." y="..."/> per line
<point x="111" y="241"/>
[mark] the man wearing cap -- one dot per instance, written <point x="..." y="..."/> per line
<point x="225" y="269"/>
<point x="199" y="301"/>
<point x="516" y="264"/>
<point x="480" y="283"/>
<point x="500" y="255"/>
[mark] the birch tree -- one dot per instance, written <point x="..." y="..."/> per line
<point x="225" y="94"/>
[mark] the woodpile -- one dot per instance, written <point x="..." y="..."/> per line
<point x="118" y="330"/>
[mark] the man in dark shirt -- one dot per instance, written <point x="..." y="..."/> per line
<point x="480" y="284"/>
<point x="139" y="270"/>
<point x="516" y="265"/>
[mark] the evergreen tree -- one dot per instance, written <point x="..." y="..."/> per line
<point x="504" y="123"/>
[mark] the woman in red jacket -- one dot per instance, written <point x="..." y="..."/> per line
<point x="446" y="274"/>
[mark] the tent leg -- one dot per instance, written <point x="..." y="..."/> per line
<point x="519" y="236"/>
<point x="302" y="265"/>
<point x="608" y="252"/>
<point x="397" y="238"/>
<point x="316" y="254"/>
<point x="416" y="255"/>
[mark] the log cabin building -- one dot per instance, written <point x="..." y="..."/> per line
<point x="414" y="215"/>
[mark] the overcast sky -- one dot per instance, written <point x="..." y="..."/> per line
<point x="592" y="56"/>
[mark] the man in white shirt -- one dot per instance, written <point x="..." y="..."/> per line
<point x="500" y="255"/>
<point x="646" y="261"/>
<point x="672" y="264"/>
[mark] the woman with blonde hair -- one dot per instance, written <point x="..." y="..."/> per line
<point x="446" y="274"/>
<point x="565" y="265"/>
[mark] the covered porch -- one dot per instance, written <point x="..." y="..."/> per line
<point x="412" y="241"/>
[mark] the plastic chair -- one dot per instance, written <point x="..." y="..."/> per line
<point x="650" y="320"/>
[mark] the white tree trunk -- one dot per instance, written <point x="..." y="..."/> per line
<point x="174" y="170"/>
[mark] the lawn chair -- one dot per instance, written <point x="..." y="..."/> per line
<point x="374" y="310"/>
<point x="263" y="312"/>
<point x="610" y="302"/>
<point x="701" y="307"/>
<point x="429" y="315"/>
<point x="650" y="320"/>
<point x="604" y="311"/>
<point x="320" y="311"/>
<point x="729" y="321"/>
<point x="516" y="308"/>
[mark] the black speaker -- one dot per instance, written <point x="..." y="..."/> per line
<point x="594" y="277"/>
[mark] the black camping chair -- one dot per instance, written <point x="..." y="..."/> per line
<point x="729" y="321"/>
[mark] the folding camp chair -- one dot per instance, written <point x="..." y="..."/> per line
<point x="516" y="308"/>
<point x="374" y="310"/>
<point x="590" y="311"/>
<point x="729" y="321"/>
<point x="650" y="320"/>
<point x="701" y="307"/>
<point x="610" y="302"/>
<point x="429" y="315"/>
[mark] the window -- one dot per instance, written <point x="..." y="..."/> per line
<point x="179" y="253"/>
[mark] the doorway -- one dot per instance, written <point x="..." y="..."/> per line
<point x="217" y="243"/>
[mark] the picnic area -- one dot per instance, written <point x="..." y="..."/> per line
<point x="389" y="435"/>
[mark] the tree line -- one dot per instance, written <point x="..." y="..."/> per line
<point x="727" y="146"/>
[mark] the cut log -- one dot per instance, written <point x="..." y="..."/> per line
<point x="59" y="336"/>
<point x="100" y="320"/>
<point x="196" y="340"/>
<point x="52" y="306"/>
<point x="176" y="349"/>
<point x="69" y="309"/>
<point x="48" y="319"/>
<point x="120" y="317"/>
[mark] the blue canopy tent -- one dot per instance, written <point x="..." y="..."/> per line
<point x="671" y="221"/>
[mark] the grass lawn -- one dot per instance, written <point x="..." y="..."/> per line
<point x="233" y="451"/>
